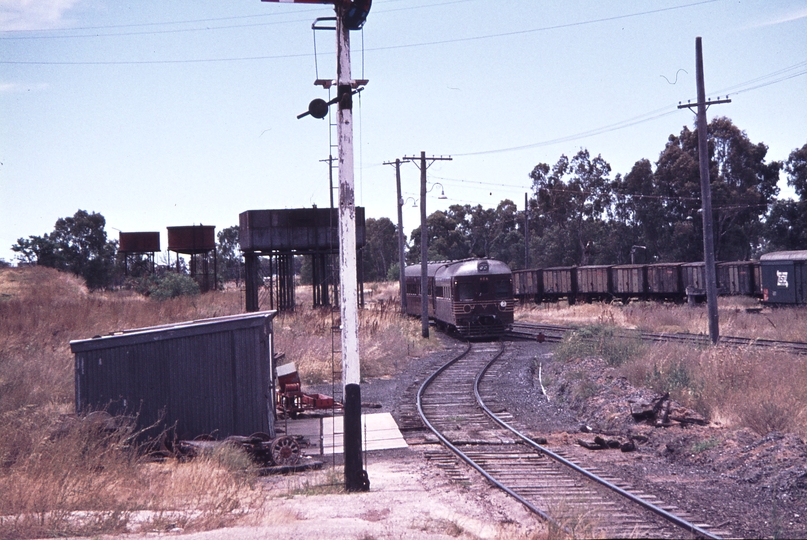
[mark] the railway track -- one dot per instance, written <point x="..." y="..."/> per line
<point x="451" y="403"/>
<point x="552" y="332"/>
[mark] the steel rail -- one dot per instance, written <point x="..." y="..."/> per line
<point x="672" y="518"/>
<point x="520" y="329"/>
<point x="465" y="457"/>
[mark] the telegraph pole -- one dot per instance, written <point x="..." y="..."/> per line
<point x="706" y="194"/>
<point x="526" y="232"/>
<point x="424" y="240"/>
<point x="401" y="263"/>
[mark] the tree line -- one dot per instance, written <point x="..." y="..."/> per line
<point x="577" y="214"/>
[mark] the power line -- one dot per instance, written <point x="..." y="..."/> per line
<point x="753" y="84"/>
<point x="196" y="21"/>
<point x="652" y="115"/>
<point x="159" y="62"/>
<point x="543" y="28"/>
<point x="640" y="196"/>
<point x="140" y="25"/>
<point x="241" y="17"/>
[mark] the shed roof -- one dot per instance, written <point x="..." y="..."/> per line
<point x="172" y="331"/>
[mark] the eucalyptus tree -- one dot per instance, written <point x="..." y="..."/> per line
<point x="77" y="244"/>
<point x="574" y="199"/>
<point x="786" y="226"/>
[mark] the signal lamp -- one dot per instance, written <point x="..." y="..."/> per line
<point x="318" y="108"/>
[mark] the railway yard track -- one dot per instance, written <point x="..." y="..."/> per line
<point x="550" y="332"/>
<point x="454" y="404"/>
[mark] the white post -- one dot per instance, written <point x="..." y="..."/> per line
<point x="355" y="476"/>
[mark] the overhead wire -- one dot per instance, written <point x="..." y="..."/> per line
<point x="195" y="21"/>
<point x="390" y="47"/>
<point x="752" y="84"/>
<point x="521" y="189"/>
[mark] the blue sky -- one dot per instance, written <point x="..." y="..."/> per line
<point x="160" y="114"/>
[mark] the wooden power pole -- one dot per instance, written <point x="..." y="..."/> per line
<point x="424" y="240"/>
<point x="706" y="194"/>
<point x="401" y="255"/>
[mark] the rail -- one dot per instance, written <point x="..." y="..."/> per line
<point x="478" y="402"/>
<point x="550" y="332"/>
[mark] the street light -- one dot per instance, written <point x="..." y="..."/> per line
<point x="442" y="190"/>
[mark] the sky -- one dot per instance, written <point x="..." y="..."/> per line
<point x="159" y="114"/>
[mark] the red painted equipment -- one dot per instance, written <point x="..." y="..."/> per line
<point x="292" y="400"/>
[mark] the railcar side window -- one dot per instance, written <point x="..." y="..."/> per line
<point x="503" y="289"/>
<point x="465" y="290"/>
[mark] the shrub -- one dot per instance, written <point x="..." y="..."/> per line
<point x="171" y="285"/>
<point x="606" y="342"/>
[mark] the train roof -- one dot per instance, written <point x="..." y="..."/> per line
<point x="466" y="267"/>
<point x="785" y="256"/>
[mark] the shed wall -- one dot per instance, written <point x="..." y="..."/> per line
<point x="212" y="379"/>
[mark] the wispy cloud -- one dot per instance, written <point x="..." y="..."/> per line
<point x="10" y="88"/>
<point x="795" y="15"/>
<point x="34" y="14"/>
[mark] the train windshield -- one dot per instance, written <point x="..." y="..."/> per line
<point x="502" y="289"/>
<point x="465" y="290"/>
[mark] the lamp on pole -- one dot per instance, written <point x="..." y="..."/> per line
<point x="424" y="237"/>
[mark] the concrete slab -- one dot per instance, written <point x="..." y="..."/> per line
<point x="379" y="432"/>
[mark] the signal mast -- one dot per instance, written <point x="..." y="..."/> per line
<point x="350" y="15"/>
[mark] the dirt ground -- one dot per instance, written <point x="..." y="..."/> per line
<point x="734" y="480"/>
<point x="748" y="485"/>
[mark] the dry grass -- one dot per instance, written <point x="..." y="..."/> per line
<point x="89" y="481"/>
<point x="387" y="341"/>
<point x="785" y="323"/>
<point x="736" y="387"/>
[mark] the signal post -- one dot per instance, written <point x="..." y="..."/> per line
<point x="350" y="15"/>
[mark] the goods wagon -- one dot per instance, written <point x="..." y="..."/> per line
<point x="784" y="277"/>
<point x="735" y="278"/>
<point x="664" y="281"/>
<point x="594" y="283"/>
<point x="529" y="284"/>
<point x="560" y="282"/>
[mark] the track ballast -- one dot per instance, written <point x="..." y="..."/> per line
<point x="451" y="402"/>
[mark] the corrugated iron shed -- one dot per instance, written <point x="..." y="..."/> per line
<point x="210" y="376"/>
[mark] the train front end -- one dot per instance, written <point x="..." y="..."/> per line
<point x="482" y="294"/>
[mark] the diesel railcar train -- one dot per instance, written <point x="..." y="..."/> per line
<point x="472" y="297"/>
<point x="777" y="278"/>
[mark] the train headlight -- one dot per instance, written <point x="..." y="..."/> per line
<point x="503" y="304"/>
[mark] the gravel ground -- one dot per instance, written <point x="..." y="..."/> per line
<point x="743" y="484"/>
<point x="739" y="482"/>
<point x="735" y="480"/>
